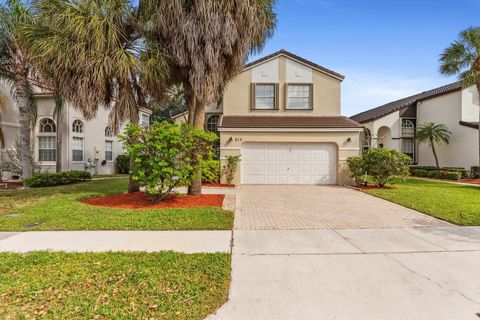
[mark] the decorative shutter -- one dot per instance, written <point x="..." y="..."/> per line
<point x="252" y="96"/>
<point x="277" y="98"/>
<point x="311" y="96"/>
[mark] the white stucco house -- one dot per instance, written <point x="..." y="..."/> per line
<point x="89" y="145"/>
<point x="394" y="124"/>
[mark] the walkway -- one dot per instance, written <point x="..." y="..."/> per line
<point x="99" y="241"/>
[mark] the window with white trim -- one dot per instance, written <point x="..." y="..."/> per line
<point x="265" y="97"/>
<point x="47" y="140"/>
<point x="108" y="132"/>
<point x="145" y="119"/>
<point x="77" y="149"/>
<point x="47" y="148"/>
<point x="47" y="125"/>
<point x="108" y="150"/>
<point x="299" y="97"/>
<point x="77" y="126"/>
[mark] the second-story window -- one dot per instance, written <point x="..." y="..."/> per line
<point x="145" y="119"/>
<point x="299" y="97"/>
<point x="77" y="126"/>
<point x="265" y="96"/>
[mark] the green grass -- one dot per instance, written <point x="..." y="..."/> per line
<point x="165" y="285"/>
<point x="454" y="203"/>
<point x="58" y="208"/>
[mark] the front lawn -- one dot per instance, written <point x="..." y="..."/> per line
<point x="58" y="208"/>
<point x="165" y="285"/>
<point x="454" y="203"/>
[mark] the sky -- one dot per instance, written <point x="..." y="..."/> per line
<point x="387" y="49"/>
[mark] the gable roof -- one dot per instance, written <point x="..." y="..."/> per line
<point x="299" y="59"/>
<point x="391" y="107"/>
<point x="287" y="122"/>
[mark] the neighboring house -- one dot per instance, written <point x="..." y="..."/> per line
<point x="86" y="144"/>
<point x="394" y="124"/>
<point x="281" y="114"/>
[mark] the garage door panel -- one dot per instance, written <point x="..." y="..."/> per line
<point x="289" y="163"/>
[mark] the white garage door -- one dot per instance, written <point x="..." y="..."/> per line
<point x="289" y="163"/>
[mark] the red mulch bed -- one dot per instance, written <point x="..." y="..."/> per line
<point x="218" y="185"/>
<point x="11" y="185"/>
<point x="139" y="200"/>
<point x="471" y="181"/>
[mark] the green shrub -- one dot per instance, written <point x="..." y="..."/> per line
<point x="420" y="172"/>
<point x="475" y="172"/>
<point x="46" y="179"/>
<point x="453" y="175"/>
<point x="356" y="165"/>
<point x="166" y="155"/>
<point x="383" y="164"/>
<point x="122" y="163"/>
<point x="211" y="171"/>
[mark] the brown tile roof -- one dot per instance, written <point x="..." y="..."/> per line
<point x="287" y="122"/>
<point x="473" y="125"/>
<point x="295" y="57"/>
<point x="390" y="107"/>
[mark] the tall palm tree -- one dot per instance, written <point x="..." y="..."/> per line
<point x="208" y="43"/>
<point x="15" y="68"/>
<point x="462" y="58"/>
<point x="95" y="55"/>
<point x="3" y="107"/>
<point x="433" y="133"/>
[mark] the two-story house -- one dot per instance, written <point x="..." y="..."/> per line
<point x="394" y="125"/>
<point x="89" y="145"/>
<point x="281" y="114"/>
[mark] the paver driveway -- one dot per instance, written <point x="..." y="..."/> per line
<point x="293" y="207"/>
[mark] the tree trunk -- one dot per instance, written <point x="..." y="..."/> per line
<point x="195" y="189"/>
<point x="432" y="144"/>
<point x="191" y="104"/>
<point x="24" y="119"/>
<point x="133" y="185"/>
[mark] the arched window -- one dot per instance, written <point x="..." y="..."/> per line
<point x="108" y="132"/>
<point x="77" y="126"/>
<point x="408" y="128"/>
<point x="366" y="140"/>
<point x="212" y="123"/>
<point x="47" y="140"/>
<point x="47" y="125"/>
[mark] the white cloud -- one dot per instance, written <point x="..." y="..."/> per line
<point x="366" y="90"/>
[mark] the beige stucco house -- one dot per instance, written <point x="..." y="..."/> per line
<point x="394" y="124"/>
<point x="282" y="115"/>
<point x="89" y="145"/>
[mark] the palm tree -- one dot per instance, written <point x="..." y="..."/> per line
<point x="94" y="53"/>
<point x="208" y="43"/>
<point x="15" y="68"/>
<point x="3" y="107"/>
<point x="433" y="133"/>
<point x="462" y="58"/>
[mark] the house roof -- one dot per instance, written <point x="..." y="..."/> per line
<point x="390" y="107"/>
<point x="297" y="58"/>
<point x="473" y="125"/>
<point x="287" y="122"/>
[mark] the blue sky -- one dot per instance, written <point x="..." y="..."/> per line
<point x="387" y="49"/>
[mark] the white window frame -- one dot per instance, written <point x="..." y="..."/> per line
<point x="42" y="134"/>
<point x="289" y="95"/>
<point x="142" y="115"/>
<point x="108" y="142"/>
<point x="83" y="149"/>
<point x="78" y="124"/>
<point x="109" y="132"/>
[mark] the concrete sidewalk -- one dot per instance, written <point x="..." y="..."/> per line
<point x="99" y="241"/>
<point x="365" y="274"/>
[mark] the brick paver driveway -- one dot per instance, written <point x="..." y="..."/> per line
<point x="290" y="207"/>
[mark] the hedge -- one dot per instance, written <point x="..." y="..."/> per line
<point x="475" y="171"/>
<point x="122" y="163"/>
<point x="55" y="179"/>
<point x="211" y="171"/>
<point x="414" y="170"/>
